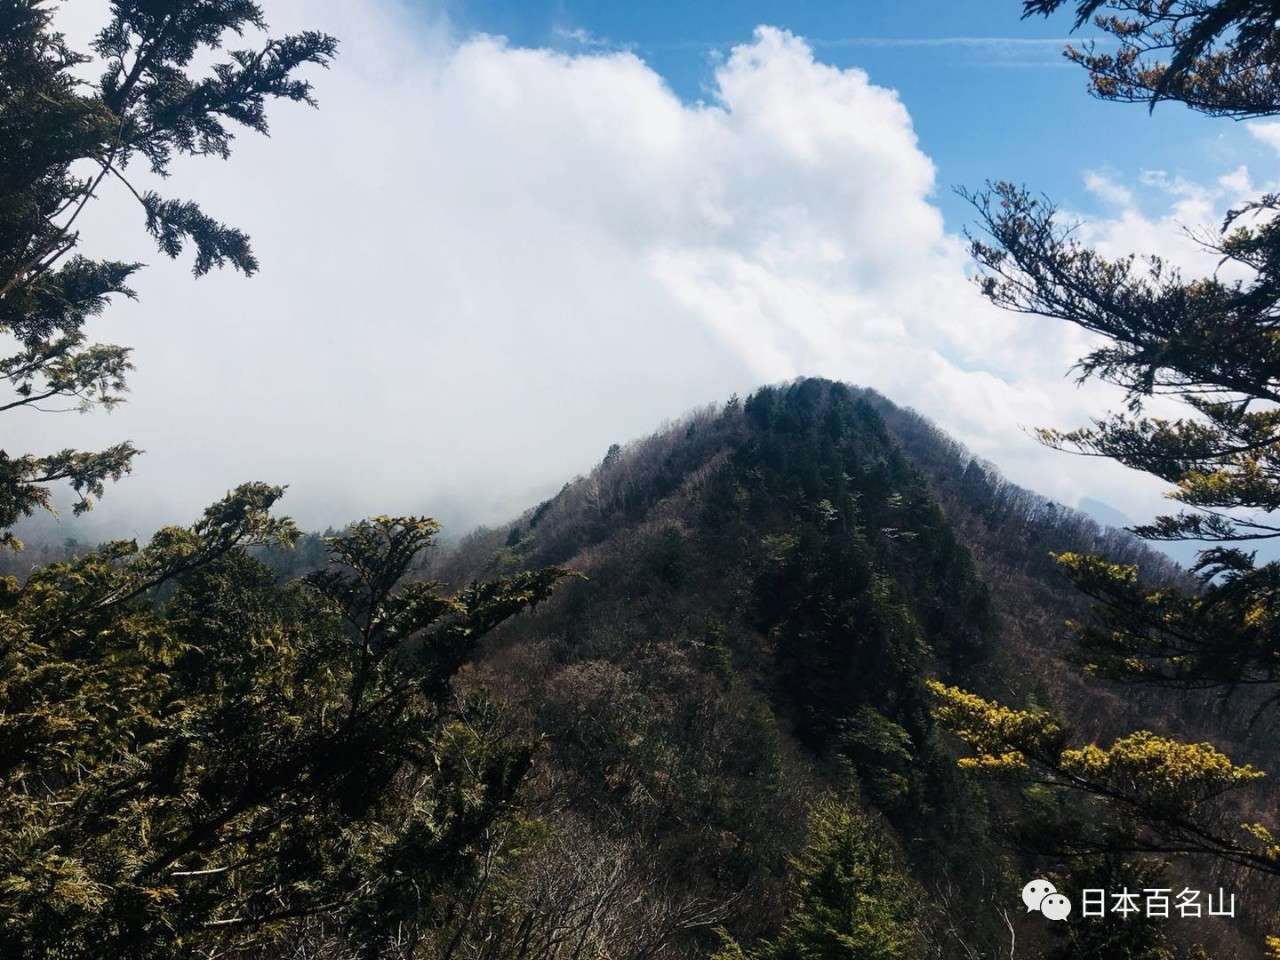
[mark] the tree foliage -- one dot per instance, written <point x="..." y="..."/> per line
<point x="1215" y="56"/>
<point x="1209" y="343"/>
<point x="855" y="899"/>
<point x="770" y="584"/>
<point x="1114" y="935"/>
<point x="196" y="757"/>
<point x="63" y="141"/>
<point x="1166" y="793"/>
<point x="860" y="577"/>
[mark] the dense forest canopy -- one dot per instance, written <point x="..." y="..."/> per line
<point x="795" y="677"/>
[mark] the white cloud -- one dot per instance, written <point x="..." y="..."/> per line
<point x="1267" y="131"/>
<point x="1105" y="187"/>
<point x="1186" y="212"/>
<point x="483" y="264"/>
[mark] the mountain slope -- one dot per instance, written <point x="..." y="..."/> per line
<point x="766" y="586"/>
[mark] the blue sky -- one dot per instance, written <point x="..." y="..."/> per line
<point x="990" y="93"/>
<point x="515" y="233"/>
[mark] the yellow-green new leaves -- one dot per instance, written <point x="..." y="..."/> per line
<point x="1209" y="342"/>
<point x="1226" y="633"/>
<point x="191" y="751"/>
<point x="1000" y="737"/>
<point x="1270" y="842"/>
<point x="1166" y="772"/>
<point x="1159" y="770"/>
<point x="1166" y="788"/>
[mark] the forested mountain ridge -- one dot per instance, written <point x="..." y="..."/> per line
<point x="787" y="681"/>
<point x="708" y="733"/>
<point x="765" y="588"/>
<point x="729" y="699"/>
<point x="1007" y="534"/>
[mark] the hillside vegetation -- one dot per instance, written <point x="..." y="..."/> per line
<point x="766" y="586"/>
<point x="712" y="733"/>
<point x="795" y="678"/>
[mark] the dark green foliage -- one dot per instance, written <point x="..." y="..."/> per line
<point x="761" y="632"/>
<point x="1114" y="936"/>
<point x="214" y="769"/>
<point x="1209" y="343"/>
<point x="309" y="553"/>
<point x="1225" y="635"/>
<point x="1212" y="344"/>
<point x="1006" y="524"/>
<point x="150" y="103"/>
<point x="769" y="586"/>
<point x="199" y="757"/>
<point x="1215" y="56"/>
<point x="669" y="557"/>
<point x="881" y="751"/>
<point x="860" y="580"/>
<point x="854" y="897"/>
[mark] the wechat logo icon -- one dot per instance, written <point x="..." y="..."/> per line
<point x="1043" y="896"/>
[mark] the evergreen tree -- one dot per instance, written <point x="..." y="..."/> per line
<point x="1210" y="343"/>
<point x="854" y="898"/>
<point x="1222" y="55"/>
<point x="62" y="141"/>
<point x="1115" y="936"/>
<point x="196" y="759"/>
<point x="210" y="773"/>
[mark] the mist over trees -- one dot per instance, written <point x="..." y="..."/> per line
<point x="65" y="140"/>
<point x="196" y="759"/>
<point x="796" y="676"/>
